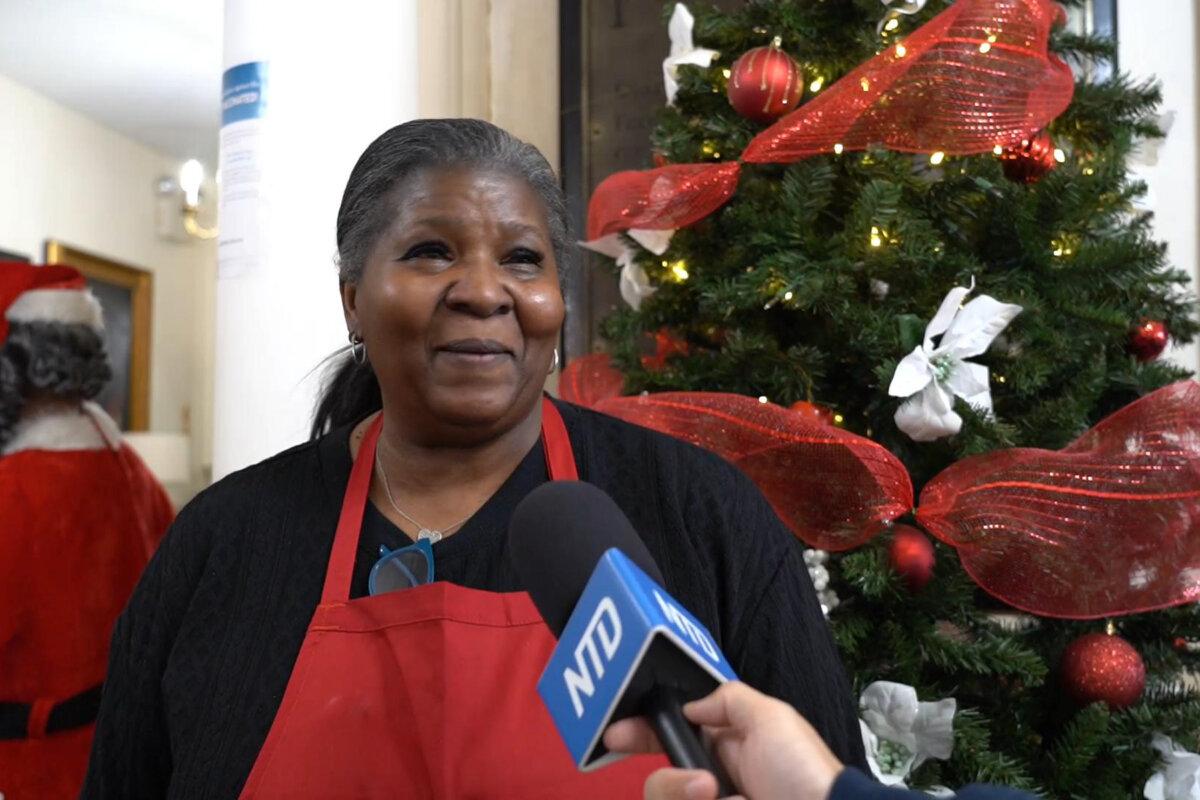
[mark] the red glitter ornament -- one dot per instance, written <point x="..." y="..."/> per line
<point x="1148" y="339"/>
<point x="1105" y="668"/>
<point x="911" y="556"/>
<point x="765" y="83"/>
<point x="814" y="412"/>
<point x="1029" y="161"/>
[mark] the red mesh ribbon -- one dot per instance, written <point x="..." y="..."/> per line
<point x="1109" y="525"/>
<point x="975" y="76"/>
<point x="668" y="197"/>
<point x="589" y="379"/>
<point x="834" y="490"/>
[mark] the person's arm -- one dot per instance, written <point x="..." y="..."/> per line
<point x="131" y="754"/>
<point x="781" y="643"/>
<point x="853" y="785"/>
<point x="770" y="752"/>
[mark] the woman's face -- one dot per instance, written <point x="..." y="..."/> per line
<point x="459" y="302"/>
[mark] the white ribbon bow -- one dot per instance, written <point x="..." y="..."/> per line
<point x="932" y="376"/>
<point x="635" y="283"/>
<point x="682" y="50"/>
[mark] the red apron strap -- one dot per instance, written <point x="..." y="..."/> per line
<point x="560" y="459"/>
<point x="354" y="505"/>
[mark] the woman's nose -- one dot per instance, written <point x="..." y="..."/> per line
<point x="479" y="289"/>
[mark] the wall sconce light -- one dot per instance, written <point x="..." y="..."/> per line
<point x="191" y="175"/>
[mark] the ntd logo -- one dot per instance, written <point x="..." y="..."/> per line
<point x="601" y="637"/>
<point x="689" y="628"/>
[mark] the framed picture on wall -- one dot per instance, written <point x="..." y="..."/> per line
<point x="126" y="294"/>
<point x="9" y="255"/>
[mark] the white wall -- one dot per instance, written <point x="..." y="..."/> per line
<point x="65" y="177"/>
<point x="1159" y="37"/>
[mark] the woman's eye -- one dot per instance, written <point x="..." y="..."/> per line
<point x="427" y="250"/>
<point x="523" y="255"/>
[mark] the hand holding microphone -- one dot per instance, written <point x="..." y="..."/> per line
<point x="771" y="752"/>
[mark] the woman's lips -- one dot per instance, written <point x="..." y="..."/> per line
<point x="475" y="352"/>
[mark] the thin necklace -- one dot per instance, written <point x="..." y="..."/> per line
<point x="432" y="534"/>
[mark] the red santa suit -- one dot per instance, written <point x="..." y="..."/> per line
<point x="80" y="516"/>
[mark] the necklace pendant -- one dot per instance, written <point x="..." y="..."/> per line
<point x="426" y="533"/>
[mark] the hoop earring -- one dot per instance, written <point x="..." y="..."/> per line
<point x="554" y="363"/>
<point x="358" y="349"/>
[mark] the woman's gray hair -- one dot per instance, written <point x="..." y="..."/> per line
<point x="59" y="360"/>
<point x="369" y="202"/>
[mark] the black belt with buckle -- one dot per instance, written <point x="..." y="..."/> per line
<point x="74" y="712"/>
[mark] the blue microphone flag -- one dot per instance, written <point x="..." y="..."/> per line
<point x="620" y="617"/>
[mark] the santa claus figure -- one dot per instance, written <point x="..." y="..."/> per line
<point x="80" y="516"/>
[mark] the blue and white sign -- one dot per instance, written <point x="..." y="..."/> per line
<point x="243" y="92"/>
<point x="621" y="613"/>
<point x="242" y="246"/>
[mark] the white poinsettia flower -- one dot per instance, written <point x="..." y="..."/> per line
<point x="931" y="376"/>
<point x="900" y="733"/>
<point x="683" y="51"/>
<point x="1179" y="777"/>
<point x="634" y="283"/>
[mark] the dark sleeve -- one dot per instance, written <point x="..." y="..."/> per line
<point x="853" y="785"/>
<point x="131" y="752"/>
<point x="778" y="639"/>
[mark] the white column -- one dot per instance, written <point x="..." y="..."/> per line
<point x="1158" y="37"/>
<point x="338" y="75"/>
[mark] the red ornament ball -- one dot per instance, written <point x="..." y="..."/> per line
<point x="1148" y="339"/>
<point x="765" y="83"/>
<point x="813" y="412"/>
<point x="1029" y="161"/>
<point x="911" y="556"/>
<point x="1103" y="668"/>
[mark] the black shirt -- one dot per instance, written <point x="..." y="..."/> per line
<point x="201" y="657"/>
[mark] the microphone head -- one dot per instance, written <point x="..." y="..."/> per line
<point x="558" y="534"/>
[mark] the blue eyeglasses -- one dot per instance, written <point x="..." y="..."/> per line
<point x="402" y="568"/>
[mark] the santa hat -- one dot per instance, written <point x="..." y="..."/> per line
<point x="45" y="294"/>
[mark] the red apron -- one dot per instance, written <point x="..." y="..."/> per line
<point x="427" y="692"/>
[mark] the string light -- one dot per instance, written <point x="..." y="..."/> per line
<point x="838" y="148"/>
<point x="1000" y="379"/>
<point x="762" y="398"/>
<point x="679" y="270"/>
<point x="1063" y="246"/>
<point x="1089" y="171"/>
<point x="787" y="296"/>
<point x="816" y="85"/>
<point x="1059" y="155"/>
<point x="865" y="84"/>
<point x="998" y="150"/>
<point x="838" y="419"/>
<point x="986" y="46"/>
<point x="901" y="51"/>
<point x="726" y="73"/>
<point x="937" y="158"/>
<point x="892" y="24"/>
<point x="876" y="237"/>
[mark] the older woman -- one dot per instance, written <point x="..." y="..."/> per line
<point x="79" y="517"/>
<point x="254" y="657"/>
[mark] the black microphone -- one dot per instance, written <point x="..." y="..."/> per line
<point x="626" y="648"/>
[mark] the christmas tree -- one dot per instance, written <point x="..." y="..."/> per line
<point x="807" y="282"/>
